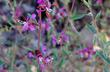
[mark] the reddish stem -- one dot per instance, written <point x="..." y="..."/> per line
<point x="39" y="33"/>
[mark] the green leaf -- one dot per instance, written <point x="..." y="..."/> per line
<point x="91" y="28"/>
<point x="95" y="40"/>
<point x="103" y="57"/>
<point x="10" y="23"/>
<point x="62" y="62"/>
<point x="90" y="2"/>
<point x="106" y="68"/>
<point x="71" y="33"/>
<point x="107" y="44"/>
<point x="107" y="12"/>
<point x="66" y="1"/>
<point x="1" y="62"/>
<point x="86" y="3"/>
<point x="55" y="54"/>
<point x="77" y="16"/>
<point x="10" y="53"/>
<point x="106" y="47"/>
<point x="14" y="3"/>
<point x="29" y="49"/>
<point x="65" y="51"/>
<point x="102" y="37"/>
<point x="98" y="15"/>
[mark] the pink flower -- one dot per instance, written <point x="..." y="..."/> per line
<point x="47" y="27"/>
<point x="18" y="12"/>
<point x="39" y="12"/>
<point x="30" y="54"/>
<point x="88" y="52"/>
<point x="41" y="63"/>
<point x="33" y="16"/>
<point x="61" y="13"/>
<point x="44" y="49"/>
<point x="3" y="70"/>
<point x="40" y="59"/>
<point x="44" y="3"/>
<point x="99" y="1"/>
<point x="54" y="40"/>
<point x="25" y="26"/>
<point x="48" y="59"/>
<point x="28" y="26"/>
<point x="40" y="2"/>
<point x="64" y="36"/>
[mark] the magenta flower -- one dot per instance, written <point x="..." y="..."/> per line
<point x="30" y="55"/>
<point x="3" y="70"/>
<point x="47" y="27"/>
<point x="38" y="53"/>
<point x="44" y="49"/>
<point x="86" y="52"/>
<point x="48" y="59"/>
<point x="61" y="13"/>
<point x="39" y="12"/>
<point x="99" y="1"/>
<point x="64" y="36"/>
<point x="18" y="12"/>
<point x="54" y="40"/>
<point x="33" y="16"/>
<point x="40" y="59"/>
<point x="27" y="26"/>
<point x="44" y="3"/>
<point x="41" y="2"/>
<point x="41" y="63"/>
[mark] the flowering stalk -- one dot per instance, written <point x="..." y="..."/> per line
<point x="86" y="52"/>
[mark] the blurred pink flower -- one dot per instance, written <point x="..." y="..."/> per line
<point x="88" y="52"/>
<point x="40" y="2"/>
<point x="42" y="60"/>
<point x="27" y="26"/>
<point x="3" y="70"/>
<point x="33" y="16"/>
<point x="60" y="13"/>
<point x="18" y="12"/>
<point x="30" y="54"/>
<point x="39" y="12"/>
<point x="99" y="1"/>
<point x="48" y="59"/>
<point x="64" y="36"/>
<point x="47" y="27"/>
<point x="44" y="49"/>
<point x="44" y="3"/>
<point x="54" y="40"/>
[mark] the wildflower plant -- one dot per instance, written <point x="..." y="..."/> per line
<point x="54" y="35"/>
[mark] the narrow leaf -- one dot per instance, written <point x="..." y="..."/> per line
<point x="62" y="62"/>
<point x="103" y="57"/>
<point x="91" y="28"/>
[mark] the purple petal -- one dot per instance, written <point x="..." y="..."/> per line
<point x="54" y="40"/>
<point x="31" y="27"/>
<point x="99" y="1"/>
<point x="25" y="26"/>
<point x="33" y="16"/>
<point x="44" y="49"/>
